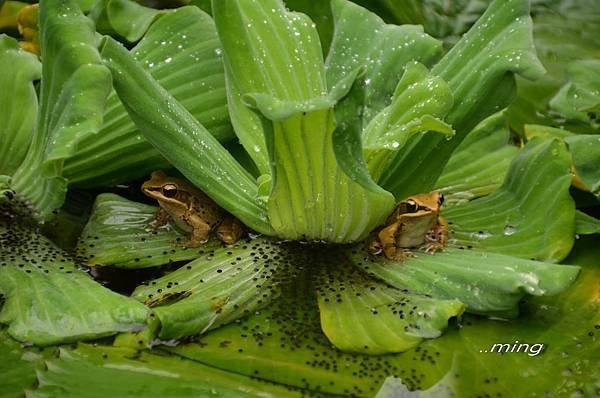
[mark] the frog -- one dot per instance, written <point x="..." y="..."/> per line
<point x="414" y="223"/>
<point x="190" y="210"/>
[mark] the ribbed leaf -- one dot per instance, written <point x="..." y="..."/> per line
<point x="118" y="234"/>
<point x="359" y="314"/>
<point x="180" y="138"/>
<point x="551" y="350"/>
<point x="271" y="51"/>
<point x="18" y="101"/>
<point x="17" y="366"/>
<point x="531" y="216"/>
<point x="126" y="18"/>
<point x="99" y="371"/>
<point x="284" y="344"/>
<point x="364" y="40"/>
<point x="370" y="56"/>
<point x="266" y="48"/>
<point x="585" y="154"/>
<point x="73" y="93"/>
<point x="487" y="283"/>
<point x="217" y="288"/>
<point x="479" y="165"/>
<point x="181" y="51"/>
<point x="479" y="71"/>
<point x="419" y="100"/>
<point x="586" y="225"/>
<point x="579" y="99"/>
<point x="49" y="300"/>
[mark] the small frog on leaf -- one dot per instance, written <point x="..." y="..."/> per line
<point x="415" y="223"/>
<point x="190" y="210"/>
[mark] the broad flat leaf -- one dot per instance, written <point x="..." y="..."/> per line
<point x="181" y="51"/>
<point x="565" y="32"/>
<point x="283" y="343"/>
<point x="369" y="56"/>
<point x="585" y="224"/>
<point x="100" y="371"/>
<point x="480" y="163"/>
<point x="479" y="70"/>
<point x="73" y="93"/>
<point x="532" y="215"/>
<point x="221" y="286"/>
<point x="579" y="99"/>
<point x="266" y="48"/>
<point x="179" y="137"/>
<point x="320" y="13"/>
<point x="487" y="283"/>
<point x="252" y="33"/>
<point x="364" y="40"/>
<point x="126" y="18"/>
<point x="8" y="13"/>
<point x="18" y="101"/>
<point x="585" y="154"/>
<point x="461" y="363"/>
<point x="418" y="104"/>
<point x="360" y="314"/>
<point x="118" y="234"/>
<point x="18" y="366"/>
<point x="49" y="300"/>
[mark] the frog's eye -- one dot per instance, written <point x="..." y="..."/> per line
<point x="169" y="190"/>
<point x="411" y="206"/>
<point x="441" y="200"/>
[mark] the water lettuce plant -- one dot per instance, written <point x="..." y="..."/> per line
<point x="310" y="140"/>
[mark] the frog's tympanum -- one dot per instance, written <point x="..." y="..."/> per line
<point x="415" y="223"/>
<point x="190" y="210"/>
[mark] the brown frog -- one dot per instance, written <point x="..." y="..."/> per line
<point x="190" y="210"/>
<point x="415" y="223"/>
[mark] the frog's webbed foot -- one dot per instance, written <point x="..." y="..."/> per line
<point x="437" y="238"/>
<point x="402" y="255"/>
<point x="230" y="231"/>
<point x="161" y="219"/>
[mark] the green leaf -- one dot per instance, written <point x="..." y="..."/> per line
<point x="579" y="99"/>
<point x="181" y="138"/>
<point x="49" y="300"/>
<point x="419" y="100"/>
<point x="479" y="71"/>
<point x="18" y="366"/>
<point x="480" y="163"/>
<point x="118" y="234"/>
<point x="487" y="283"/>
<point x="461" y="363"/>
<point x="363" y="40"/>
<point x="73" y="93"/>
<point x="18" y="101"/>
<point x="181" y="51"/>
<point x="217" y="288"/>
<point x="532" y="215"/>
<point x="359" y="314"/>
<point x="284" y="344"/>
<point x="99" y="371"/>
<point x="266" y="48"/>
<point x="585" y="224"/>
<point x="126" y="18"/>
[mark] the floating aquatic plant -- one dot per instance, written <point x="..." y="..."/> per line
<point x="310" y="141"/>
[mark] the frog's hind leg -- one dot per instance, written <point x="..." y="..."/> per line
<point x="230" y="230"/>
<point x="200" y="232"/>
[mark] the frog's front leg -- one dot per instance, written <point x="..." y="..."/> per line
<point x="230" y="230"/>
<point x="437" y="238"/>
<point x="161" y="218"/>
<point x="387" y="238"/>
<point x="200" y="231"/>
